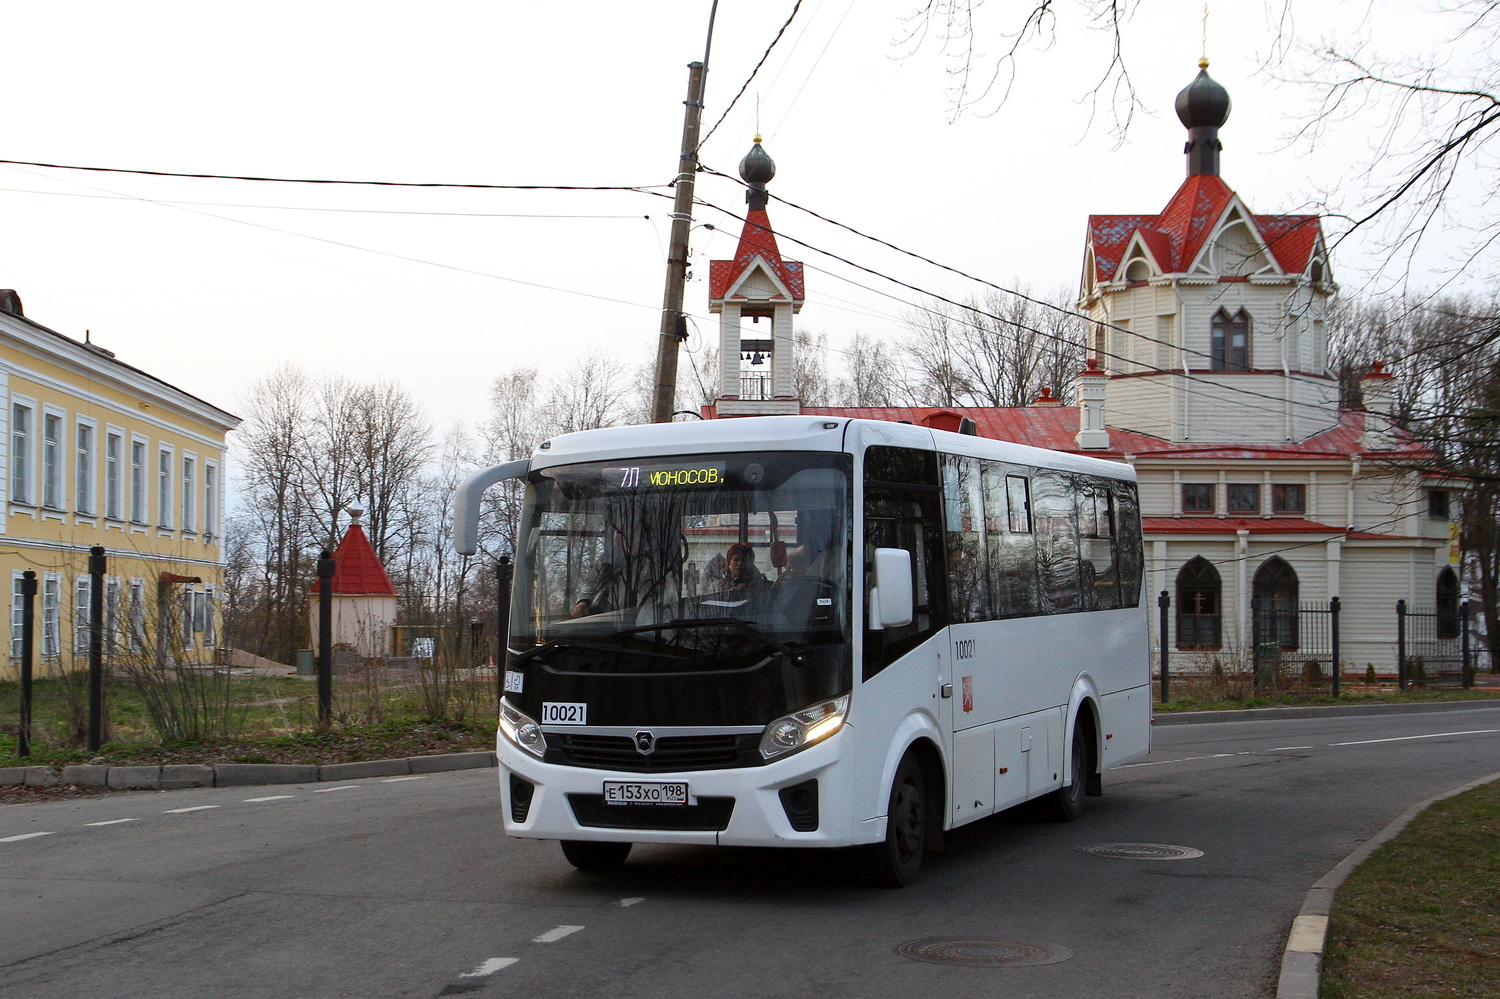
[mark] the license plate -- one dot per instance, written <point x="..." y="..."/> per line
<point x="636" y="793"/>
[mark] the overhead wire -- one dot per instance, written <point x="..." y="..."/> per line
<point x="746" y="85"/>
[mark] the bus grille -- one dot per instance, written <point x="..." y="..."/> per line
<point x="708" y="815"/>
<point x="671" y="753"/>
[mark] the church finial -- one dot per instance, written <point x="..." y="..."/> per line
<point x="1202" y="107"/>
<point x="757" y="169"/>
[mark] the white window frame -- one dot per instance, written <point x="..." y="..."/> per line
<point x="166" y="482"/>
<point x="189" y="493"/>
<point x="51" y="615"/>
<point x="114" y="483"/>
<point x="188" y="600"/>
<point x="111" y="615"/>
<point x="210" y="605"/>
<point x="140" y="496"/>
<point x="137" y="622"/>
<point x="17" y="614"/>
<point x="54" y="459"/>
<point x="83" y="589"/>
<point x="85" y="464"/>
<point x="210" y="499"/>
<point x="23" y="452"/>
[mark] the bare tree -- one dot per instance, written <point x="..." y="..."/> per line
<point x="392" y="443"/>
<point x="810" y="368"/>
<point x="873" y="374"/>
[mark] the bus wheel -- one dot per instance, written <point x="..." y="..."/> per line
<point x="1066" y="803"/>
<point x="588" y="856"/>
<point x="895" y="862"/>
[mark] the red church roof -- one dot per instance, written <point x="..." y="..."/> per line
<point x="357" y="570"/>
<point x="756" y="239"/>
<point x="1177" y="234"/>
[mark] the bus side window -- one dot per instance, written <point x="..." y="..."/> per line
<point x="1131" y="550"/>
<point x="1012" y="548"/>
<point x="903" y="509"/>
<point x="1096" y="538"/>
<point x="1054" y="514"/>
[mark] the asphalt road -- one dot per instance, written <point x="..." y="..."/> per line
<point x="405" y="886"/>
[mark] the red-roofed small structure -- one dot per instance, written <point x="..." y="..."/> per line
<point x="364" y="600"/>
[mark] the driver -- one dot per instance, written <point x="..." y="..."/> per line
<point x="741" y="577"/>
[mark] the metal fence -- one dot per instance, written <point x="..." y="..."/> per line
<point x="1295" y="642"/>
<point x="1435" y="647"/>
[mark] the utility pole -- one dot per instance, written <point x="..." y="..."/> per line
<point x="673" y="322"/>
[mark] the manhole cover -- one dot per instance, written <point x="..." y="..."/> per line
<point x="1141" y="851"/>
<point x="965" y="953"/>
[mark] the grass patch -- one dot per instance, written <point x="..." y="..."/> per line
<point x="1421" y="916"/>
<point x="1236" y="691"/>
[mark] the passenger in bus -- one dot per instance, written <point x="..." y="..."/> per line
<point x="741" y="577"/>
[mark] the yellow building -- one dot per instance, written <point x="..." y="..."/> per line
<point x="96" y="452"/>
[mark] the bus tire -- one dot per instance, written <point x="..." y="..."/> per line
<point x="895" y="862"/>
<point x="1066" y="803"/>
<point x="589" y="856"/>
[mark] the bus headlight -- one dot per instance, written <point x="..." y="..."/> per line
<point x="521" y="730"/>
<point x="803" y="728"/>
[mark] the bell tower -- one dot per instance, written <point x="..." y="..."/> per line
<point x="755" y="358"/>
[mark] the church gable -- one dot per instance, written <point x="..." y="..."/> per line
<point x="757" y="282"/>
<point x="1236" y="248"/>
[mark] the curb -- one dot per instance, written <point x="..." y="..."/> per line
<point x="1314" y="711"/>
<point x="1302" y="959"/>
<point x="177" y="776"/>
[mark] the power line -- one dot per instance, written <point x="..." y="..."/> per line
<point x="643" y="188"/>
<point x="766" y="55"/>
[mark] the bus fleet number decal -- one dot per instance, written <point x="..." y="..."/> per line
<point x="555" y="713"/>
<point x="963" y="648"/>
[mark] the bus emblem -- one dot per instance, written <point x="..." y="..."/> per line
<point x="645" y="743"/>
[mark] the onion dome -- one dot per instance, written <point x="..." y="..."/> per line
<point x="756" y="169"/>
<point x="1202" y="106"/>
<point x="1202" y="102"/>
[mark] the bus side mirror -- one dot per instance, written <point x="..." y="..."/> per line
<point x="891" y="600"/>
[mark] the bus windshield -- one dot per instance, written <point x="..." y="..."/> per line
<point x="728" y="556"/>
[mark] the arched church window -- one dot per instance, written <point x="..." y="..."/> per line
<point x="1229" y="343"/>
<point x="1447" y="604"/>
<point x="1275" y="593"/>
<point x="1199" y="621"/>
<point x="1316" y="272"/>
<point x="1138" y="270"/>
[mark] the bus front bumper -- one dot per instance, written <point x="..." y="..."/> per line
<point x="800" y="800"/>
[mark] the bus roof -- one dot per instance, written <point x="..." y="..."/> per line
<point x="799" y="433"/>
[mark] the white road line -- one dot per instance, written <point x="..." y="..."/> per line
<point x="627" y="902"/>
<point x="17" y="839"/>
<point x="489" y="967"/>
<point x="272" y="797"/>
<point x="1282" y="749"/>
<point x="392" y="780"/>
<point x="110" y="822"/>
<point x="1409" y="738"/>
<point x="556" y="933"/>
<point x="1185" y="759"/>
<point x="195" y="808"/>
<point x="341" y="787"/>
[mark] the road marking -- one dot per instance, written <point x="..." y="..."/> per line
<point x="489" y="967"/>
<point x="1282" y="749"/>
<point x="1185" y="759"/>
<point x="625" y="903"/>
<point x="17" y="839"/>
<point x="392" y="780"/>
<point x="272" y="797"/>
<point x="341" y="787"/>
<point x="111" y="822"/>
<point x="1409" y="738"/>
<point x="556" y="933"/>
<point x="195" y="808"/>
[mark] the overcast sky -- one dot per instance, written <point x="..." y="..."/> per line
<point x="210" y="284"/>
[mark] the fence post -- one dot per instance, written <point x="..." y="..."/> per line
<point x="1401" y="644"/>
<point x="325" y="638"/>
<point x="96" y="646"/>
<point x="1465" y="611"/>
<point x="1164" y="602"/>
<point x="503" y="573"/>
<point x="1333" y="633"/>
<point x="28" y="650"/>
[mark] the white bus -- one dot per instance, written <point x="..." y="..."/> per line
<point x="933" y="627"/>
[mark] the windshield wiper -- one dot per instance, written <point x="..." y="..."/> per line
<point x="709" y="622"/>
<point x="557" y="644"/>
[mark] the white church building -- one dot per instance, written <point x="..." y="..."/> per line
<point x="1208" y="371"/>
